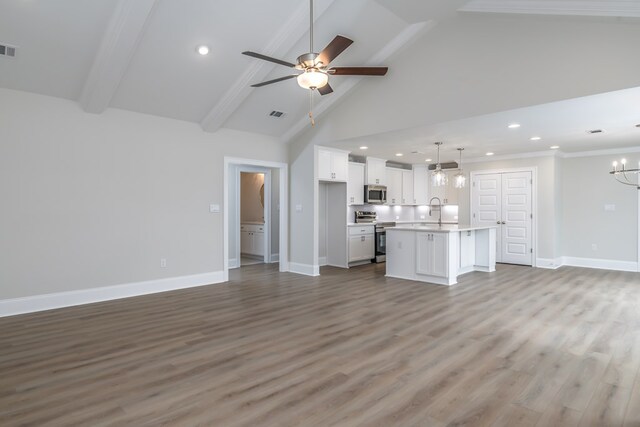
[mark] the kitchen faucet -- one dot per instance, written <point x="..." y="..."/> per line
<point x="439" y="210"/>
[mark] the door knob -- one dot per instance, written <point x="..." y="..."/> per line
<point x="498" y="222"/>
<point x="504" y="222"/>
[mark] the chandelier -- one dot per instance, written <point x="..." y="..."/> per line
<point x="621" y="174"/>
<point x="438" y="176"/>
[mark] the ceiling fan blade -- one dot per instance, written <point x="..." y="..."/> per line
<point x="270" y="59"/>
<point x="358" y="71"/>
<point x="325" y="90"/>
<point x="333" y="49"/>
<point x="268" y="82"/>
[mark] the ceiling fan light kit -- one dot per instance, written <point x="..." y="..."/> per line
<point x="314" y="66"/>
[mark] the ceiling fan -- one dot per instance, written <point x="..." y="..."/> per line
<point x="315" y="66"/>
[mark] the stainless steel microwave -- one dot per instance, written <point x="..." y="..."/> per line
<point x="375" y="194"/>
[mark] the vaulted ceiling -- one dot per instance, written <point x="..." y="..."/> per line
<point x="140" y="55"/>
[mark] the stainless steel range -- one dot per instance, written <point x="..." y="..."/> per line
<point x="381" y="240"/>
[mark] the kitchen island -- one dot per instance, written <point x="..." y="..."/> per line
<point x="439" y="254"/>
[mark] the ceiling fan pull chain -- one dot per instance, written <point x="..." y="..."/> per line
<point x="313" y="122"/>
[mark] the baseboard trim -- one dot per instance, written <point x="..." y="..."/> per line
<point x="35" y="303"/>
<point x="275" y="258"/>
<point x="603" y="264"/>
<point x="322" y="261"/>
<point x="305" y="269"/>
<point x="549" y="263"/>
<point x="234" y="263"/>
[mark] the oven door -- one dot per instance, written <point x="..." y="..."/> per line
<point x="381" y="242"/>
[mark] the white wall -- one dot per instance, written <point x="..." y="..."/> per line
<point x="587" y="188"/>
<point x="97" y="200"/>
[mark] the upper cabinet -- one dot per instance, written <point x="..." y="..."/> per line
<point x="332" y="164"/>
<point x="355" y="184"/>
<point x="408" y="198"/>
<point x="420" y="185"/>
<point x="376" y="172"/>
<point x="394" y="186"/>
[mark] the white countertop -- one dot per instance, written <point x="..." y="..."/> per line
<point x="253" y="222"/>
<point x="445" y="228"/>
<point x="422" y="222"/>
<point x="362" y="224"/>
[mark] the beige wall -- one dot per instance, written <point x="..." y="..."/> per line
<point x="97" y="200"/>
<point x="251" y="207"/>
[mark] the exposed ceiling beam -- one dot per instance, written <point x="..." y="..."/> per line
<point x="612" y="8"/>
<point x="402" y="40"/>
<point x="284" y="40"/>
<point x="116" y="50"/>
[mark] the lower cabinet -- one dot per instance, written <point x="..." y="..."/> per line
<point x="252" y="239"/>
<point x="432" y="251"/>
<point x="362" y="245"/>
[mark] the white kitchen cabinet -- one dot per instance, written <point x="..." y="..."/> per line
<point x="452" y="193"/>
<point x="394" y="186"/>
<point x="355" y="184"/>
<point x="376" y="172"/>
<point x="362" y="245"/>
<point x="432" y="254"/>
<point x="408" y="197"/>
<point x="252" y="239"/>
<point x="332" y="165"/>
<point x="420" y="185"/>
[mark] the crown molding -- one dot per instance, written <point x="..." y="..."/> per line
<point x="604" y="152"/>
<point x="619" y="8"/>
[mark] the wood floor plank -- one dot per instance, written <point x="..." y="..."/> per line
<point x="517" y="347"/>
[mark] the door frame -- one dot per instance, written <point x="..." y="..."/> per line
<point x="534" y="201"/>
<point x="284" y="207"/>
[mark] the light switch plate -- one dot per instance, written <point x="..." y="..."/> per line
<point x="298" y="208"/>
<point x="609" y="208"/>
<point x="214" y="208"/>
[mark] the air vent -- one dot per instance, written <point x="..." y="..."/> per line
<point x="8" y="51"/>
<point x="638" y="125"/>
<point x="277" y="114"/>
<point x="595" y="131"/>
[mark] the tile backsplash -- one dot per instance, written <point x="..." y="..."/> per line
<point x="406" y="213"/>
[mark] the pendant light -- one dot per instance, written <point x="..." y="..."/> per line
<point x="460" y="178"/>
<point x="438" y="177"/>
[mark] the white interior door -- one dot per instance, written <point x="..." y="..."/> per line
<point x="486" y="205"/>
<point x="516" y="218"/>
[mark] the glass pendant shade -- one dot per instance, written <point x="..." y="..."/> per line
<point x="460" y="179"/>
<point x="312" y="79"/>
<point x="438" y="178"/>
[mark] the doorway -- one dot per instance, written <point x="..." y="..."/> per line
<point x="253" y="224"/>
<point x="505" y="199"/>
<point x="260" y="233"/>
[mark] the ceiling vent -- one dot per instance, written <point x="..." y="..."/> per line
<point x="638" y="125"/>
<point x="8" y="51"/>
<point x="595" y="131"/>
<point x="277" y="114"/>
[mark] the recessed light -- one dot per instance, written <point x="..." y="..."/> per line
<point x="364" y="147"/>
<point x="427" y="160"/>
<point x="489" y="153"/>
<point x="535" y="138"/>
<point x="514" y="126"/>
<point x="399" y="154"/>
<point x="595" y="131"/>
<point x="203" y="50"/>
<point x="554" y="147"/>
<point x="638" y="125"/>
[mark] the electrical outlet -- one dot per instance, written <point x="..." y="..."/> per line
<point x="397" y="217"/>
<point x="594" y="247"/>
<point x="163" y="263"/>
<point x="422" y="217"/>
